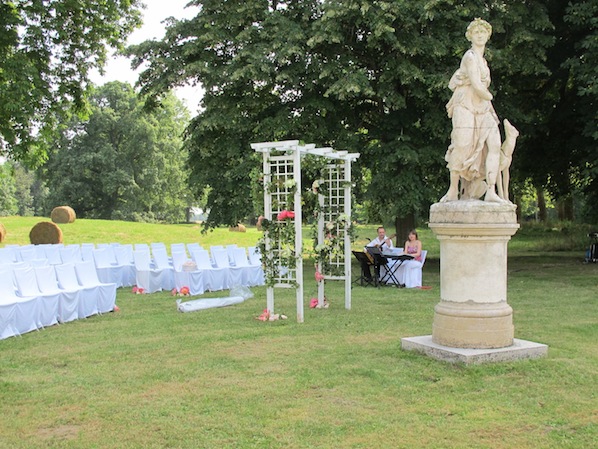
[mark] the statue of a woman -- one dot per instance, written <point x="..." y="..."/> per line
<point x="473" y="156"/>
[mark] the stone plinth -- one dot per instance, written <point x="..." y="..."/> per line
<point x="520" y="349"/>
<point x="473" y="310"/>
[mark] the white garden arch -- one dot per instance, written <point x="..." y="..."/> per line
<point x="282" y="258"/>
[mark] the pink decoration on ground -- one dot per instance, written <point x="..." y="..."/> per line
<point x="265" y="316"/>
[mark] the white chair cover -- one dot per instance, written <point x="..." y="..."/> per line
<point x="229" y="250"/>
<point x="7" y="255"/>
<point x="254" y="255"/>
<point x="157" y="245"/>
<point x="252" y="275"/>
<point x="88" y="296"/>
<point x="194" y="280"/>
<point x="87" y="252"/>
<point x="71" y="254"/>
<point x="194" y="246"/>
<point x="177" y="247"/>
<point x="214" y="278"/>
<point x="109" y="271"/>
<point x="49" y="303"/>
<point x="29" y="254"/>
<point x="162" y="262"/>
<point x="53" y="254"/>
<point x="150" y="279"/>
<point x="221" y="260"/>
<point x="124" y="258"/>
<point x="126" y="249"/>
<point x="8" y="318"/>
<point x="18" y="315"/>
<point x="410" y="272"/>
<point x="88" y="278"/>
<point x="68" y="305"/>
<point x="141" y="247"/>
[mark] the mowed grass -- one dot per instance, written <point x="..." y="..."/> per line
<point x="149" y="376"/>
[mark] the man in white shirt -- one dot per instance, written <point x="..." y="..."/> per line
<point x="381" y="241"/>
<point x="384" y="244"/>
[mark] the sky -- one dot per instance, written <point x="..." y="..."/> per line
<point x="119" y="68"/>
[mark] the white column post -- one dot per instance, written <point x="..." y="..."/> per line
<point x="268" y="216"/>
<point x="298" y="233"/>
<point x="347" y="211"/>
<point x="320" y="225"/>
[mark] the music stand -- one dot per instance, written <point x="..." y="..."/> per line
<point x="381" y="259"/>
<point x="366" y="277"/>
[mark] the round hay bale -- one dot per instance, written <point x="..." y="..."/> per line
<point x="63" y="214"/>
<point x="45" y="232"/>
<point x="238" y="228"/>
<point x="2" y="232"/>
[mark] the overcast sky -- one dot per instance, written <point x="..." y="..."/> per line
<point x="119" y="68"/>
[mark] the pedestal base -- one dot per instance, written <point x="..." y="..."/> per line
<point x="473" y="325"/>
<point x="520" y="349"/>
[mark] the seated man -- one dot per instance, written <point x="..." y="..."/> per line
<point x="384" y="244"/>
<point x="381" y="241"/>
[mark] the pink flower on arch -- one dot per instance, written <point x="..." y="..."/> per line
<point x="285" y="214"/>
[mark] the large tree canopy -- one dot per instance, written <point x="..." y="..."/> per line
<point x="47" y="49"/>
<point x="123" y="162"/>
<point x="363" y="75"/>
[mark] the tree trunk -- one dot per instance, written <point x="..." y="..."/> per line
<point x="542" y="213"/>
<point x="402" y="227"/>
<point x="565" y="208"/>
<point x="517" y="200"/>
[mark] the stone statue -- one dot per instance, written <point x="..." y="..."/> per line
<point x="474" y="155"/>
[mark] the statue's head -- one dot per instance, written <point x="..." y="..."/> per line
<point x="475" y="23"/>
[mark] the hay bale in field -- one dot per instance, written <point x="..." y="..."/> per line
<point x="2" y="232"/>
<point x="63" y="214"/>
<point x="238" y="228"/>
<point x="45" y="232"/>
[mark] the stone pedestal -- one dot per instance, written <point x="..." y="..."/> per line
<point x="473" y="322"/>
<point x="473" y="310"/>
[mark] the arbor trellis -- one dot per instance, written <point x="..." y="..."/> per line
<point x="282" y="246"/>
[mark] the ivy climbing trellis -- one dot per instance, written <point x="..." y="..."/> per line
<point x="282" y="246"/>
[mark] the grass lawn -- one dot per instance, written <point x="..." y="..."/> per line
<point x="151" y="377"/>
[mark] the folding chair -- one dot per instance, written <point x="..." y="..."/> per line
<point x="365" y="263"/>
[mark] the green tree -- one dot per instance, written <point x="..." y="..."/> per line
<point x="47" y="50"/>
<point x="8" y="201"/>
<point x="123" y="162"/>
<point x="560" y="141"/>
<point x="367" y="76"/>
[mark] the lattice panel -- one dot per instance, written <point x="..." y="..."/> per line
<point x="334" y="176"/>
<point x="281" y="178"/>
<point x="281" y="189"/>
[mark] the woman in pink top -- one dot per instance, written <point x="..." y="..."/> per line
<point x="413" y="246"/>
<point x="410" y="272"/>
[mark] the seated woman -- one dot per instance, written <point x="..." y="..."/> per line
<point x="410" y="272"/>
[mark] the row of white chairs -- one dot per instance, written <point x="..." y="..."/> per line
<point x="152" y="269"/>
<point x="33" y="297"/>
<point x="199" y="270"/>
